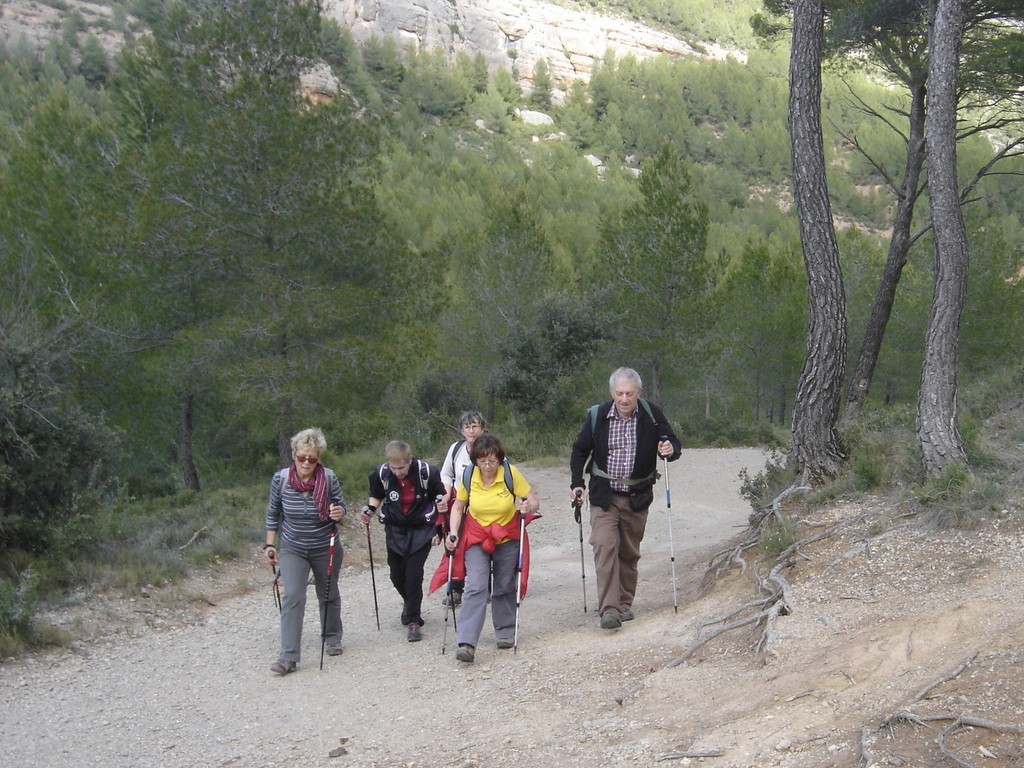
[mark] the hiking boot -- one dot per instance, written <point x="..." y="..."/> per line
<point x="414" y="633"/>
<point x="610" y="620"/>
<point x="334" y="649"/>
<point x="282" y="667"/>
<point x="466" y="653"/>
<point x="504" y="643"/>
<point x="626" y="615"/>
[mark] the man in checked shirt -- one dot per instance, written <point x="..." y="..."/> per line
<point x="619" y="444"/>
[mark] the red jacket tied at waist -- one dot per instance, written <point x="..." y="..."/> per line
<point x="488" y="537"/>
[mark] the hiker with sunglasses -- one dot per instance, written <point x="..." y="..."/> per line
<point x="305" y="506"/>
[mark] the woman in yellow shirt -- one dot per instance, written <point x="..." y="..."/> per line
<point x="488" y="537"/>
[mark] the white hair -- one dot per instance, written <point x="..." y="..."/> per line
<point x="628" y="374"/>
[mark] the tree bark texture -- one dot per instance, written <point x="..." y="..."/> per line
<point x="817" y="451"/>
<point x="186" y="454"/>
<point x="938" y="434"/>
<point x="896" y="259"/>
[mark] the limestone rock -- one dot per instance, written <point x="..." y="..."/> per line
<point x="510" y="33"/>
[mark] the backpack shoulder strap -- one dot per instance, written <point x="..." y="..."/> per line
<point x="593" y="417"/>
<point x="467" y="478"/>
<point x="385" y="476"/>
<point x="647" y="407"/>
<point x="424" y="474"/>
<point x="509" y="480"/>
<point x="456" y="447"/>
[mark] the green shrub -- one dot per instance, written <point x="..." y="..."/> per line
<point x="959" y="498"/>
<point x="868" y="472"/>
<point x="17" y="604"/>
<point x="761" y="489"/>
<point x="779" y="536"/>
<point x="19" y="628"/>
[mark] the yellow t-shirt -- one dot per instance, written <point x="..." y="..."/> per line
<point x="494" y="504"/>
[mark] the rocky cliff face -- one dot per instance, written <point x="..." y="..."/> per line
<point x="508" y="32"/>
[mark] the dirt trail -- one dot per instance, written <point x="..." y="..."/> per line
<point x="201" y="694"/>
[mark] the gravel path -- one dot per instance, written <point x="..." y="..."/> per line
<point x="201" y="693"/>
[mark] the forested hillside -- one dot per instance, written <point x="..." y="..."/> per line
<point x="199" y="260"/>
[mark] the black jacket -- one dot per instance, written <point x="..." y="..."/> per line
<point x="406" y="534"/>
<point x="591" y="446"/>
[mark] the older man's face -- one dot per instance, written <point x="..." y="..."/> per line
<point x="625" y="394"/>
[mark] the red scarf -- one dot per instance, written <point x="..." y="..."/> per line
<point x="317" y="484"/>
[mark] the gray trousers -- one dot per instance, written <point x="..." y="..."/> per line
<point x="295" y="567"/>
<point x="479" y="566"/>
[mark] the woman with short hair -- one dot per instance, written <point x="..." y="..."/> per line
<point x="407" y="493"/>
<point x="485" y="531"/>
<point x="305" y="506"/>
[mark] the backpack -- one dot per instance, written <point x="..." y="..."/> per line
<point x="467" y="479"/>
<point x="453" y="453"/>
<point x="385" y="476"/>
<point x="596" y="470"/>
<point x="384" y="473"/>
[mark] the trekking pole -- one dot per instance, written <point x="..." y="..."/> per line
<point x="577" y="506"/>
<point x="671" y="542"/>
<point x="451" y="606"/>
<point x="277" y="585"/>
<point x="373" y="579"/>
<point x="327" y="595"/>
<point x="519" y="579"/>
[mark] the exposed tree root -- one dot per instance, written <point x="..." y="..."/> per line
<point x="776" y="597"/>
<point x="759" y="519"/>
<point x="956" y="721"/>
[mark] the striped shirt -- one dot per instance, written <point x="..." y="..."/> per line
<point x="621" y="447"/>
<point x="294" y="515"/>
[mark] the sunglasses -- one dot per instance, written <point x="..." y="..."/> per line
<point x="306" y="459"/>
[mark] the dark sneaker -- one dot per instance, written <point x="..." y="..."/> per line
<point x="466" y="653"/>
<point x="504" y="643"/>
<point x="282" y="667"/>
<point x="626" y="615"/>
<point x="414" y="633"/>
<point x="334" y="649"/>
<point x="609" y="620"/>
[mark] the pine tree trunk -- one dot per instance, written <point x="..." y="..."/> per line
<point x="938" y="435"/>
<point x="186" y="442"/>
<point x="896" y="259"/>
<point x="817" y="450"/>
